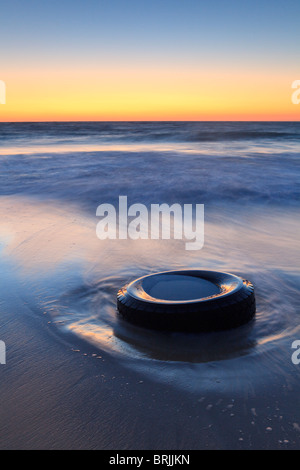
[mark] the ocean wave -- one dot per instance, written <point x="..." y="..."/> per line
<point x="91" y="178"/>
<point x="98" y="132"/>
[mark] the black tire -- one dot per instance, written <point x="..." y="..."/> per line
<point x="232" y="306"/>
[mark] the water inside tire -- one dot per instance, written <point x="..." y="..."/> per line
<point x="179" y="287"/>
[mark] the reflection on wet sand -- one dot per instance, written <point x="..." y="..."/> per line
<point x="55" y="250"/>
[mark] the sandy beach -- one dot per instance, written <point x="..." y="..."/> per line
<point x="76" y="374"/>
<point x="55" y="398"/>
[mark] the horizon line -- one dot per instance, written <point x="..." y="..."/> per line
<point x="150" y="120"/>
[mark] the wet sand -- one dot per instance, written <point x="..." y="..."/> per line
<point x="56" y="398"/>
<point x="77" y="375"/>
<point x="59" y="391"/>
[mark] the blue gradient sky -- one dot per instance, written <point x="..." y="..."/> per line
<point x="163" y="30"/>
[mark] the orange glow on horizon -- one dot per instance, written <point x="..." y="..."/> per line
<point x="145" y="93"/>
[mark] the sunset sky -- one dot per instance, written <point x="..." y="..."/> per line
<point x="149" y="60"/>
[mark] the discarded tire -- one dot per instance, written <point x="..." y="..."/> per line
<point x="190" y="301"/>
